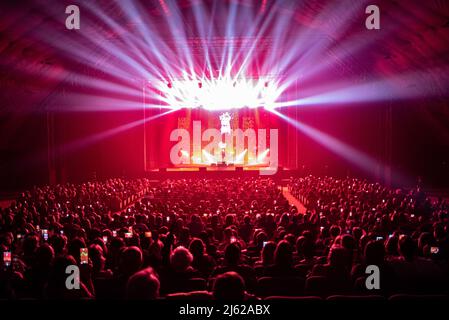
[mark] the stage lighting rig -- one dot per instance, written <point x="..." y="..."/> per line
<point x="222" y="93"/>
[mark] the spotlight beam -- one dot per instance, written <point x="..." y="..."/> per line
<point x="393" y="88"/>
<point x="349" y="153"/>
<point x="240" y="157"/>
<point x="84" y="142"/>
<point x="209" y="158"/>
<point x="262" y="156"/>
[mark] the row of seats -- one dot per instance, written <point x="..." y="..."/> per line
<point x="205" y="295"/>
<point x="315" y="286"/>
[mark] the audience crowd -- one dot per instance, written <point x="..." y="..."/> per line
<point x="223" y="239"/>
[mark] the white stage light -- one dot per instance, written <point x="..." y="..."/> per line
<point x="240" y="157"/>
<point x="262" y="156"/>
<point x="184" y="153"/>
<point x="209" y="158"/>
<point x="220" y="94"/>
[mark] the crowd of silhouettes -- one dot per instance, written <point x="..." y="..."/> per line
<point x="225" y="239"/>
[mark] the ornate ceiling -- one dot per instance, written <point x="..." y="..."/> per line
<point x="414" y="37"/>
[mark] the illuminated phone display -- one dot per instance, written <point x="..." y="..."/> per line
<point x="84" y="256"/>
<point x="45" y="234"/>
<point x="7" y="258"/>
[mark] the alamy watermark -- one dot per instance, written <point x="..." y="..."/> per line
<point x="372" y="22"/>
<point x="372" y="281"/>
<point x="73" y="20"/>
<point x="72" y="282"/>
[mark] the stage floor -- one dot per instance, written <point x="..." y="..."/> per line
<point x="218" y="173"/>
<point x="217" y="168"/>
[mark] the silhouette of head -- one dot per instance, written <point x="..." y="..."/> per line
<point x="232" y="254"/>
<point x="143" y="285"/>
<point x="180" y="259"/>
<point x="283" y="254"/>
<point x="229" y="286"/>
<point x="407" y="247"/>
<point x="130" y="260"/>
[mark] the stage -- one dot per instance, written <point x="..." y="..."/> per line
<point x="218" y="172"/>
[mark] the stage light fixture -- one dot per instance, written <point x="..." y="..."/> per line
<point x="262" y="156"/>
<point x="240" y="157"/>
<point x="209" y="158"/>
<point x="184" y="153"/>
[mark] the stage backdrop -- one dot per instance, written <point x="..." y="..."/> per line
<point x="159" y="145"/>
